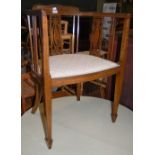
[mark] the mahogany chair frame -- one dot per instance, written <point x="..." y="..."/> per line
<point x="48" y="82"/>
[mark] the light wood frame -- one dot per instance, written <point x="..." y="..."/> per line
<point x="48" y="82"/>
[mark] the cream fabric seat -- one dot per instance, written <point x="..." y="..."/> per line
<point x="68" y="65"/>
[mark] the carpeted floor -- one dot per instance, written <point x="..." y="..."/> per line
<point x="79" y="128"/>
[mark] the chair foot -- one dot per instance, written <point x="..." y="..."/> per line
<point x="78" y="98"/>
<point x="33" y="110"/>
<point x="49" y="142"/>
<point x="113" y="117"/>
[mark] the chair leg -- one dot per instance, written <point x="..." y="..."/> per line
<point x="38" y="97"/>
<point x="79" y="91"/>
<point x="48" y="119"/>
<point x="118" y="86"/>
<point x="37" y="101"/>
<point x="23" y="105"/>
<point x="102" y="92"/>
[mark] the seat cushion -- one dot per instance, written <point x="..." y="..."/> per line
<point x="68" y="65"/>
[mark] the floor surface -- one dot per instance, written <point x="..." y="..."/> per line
<point x="79" y="128"/>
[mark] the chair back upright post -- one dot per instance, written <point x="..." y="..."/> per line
<point x="124" y="42"/>
<point x="33" y="37"/>
<point x="40" y="18"/>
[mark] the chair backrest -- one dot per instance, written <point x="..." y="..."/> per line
<point x="54" y="28"/>
<point x="56" y="25"/>
<point x="115" y="38"/>
<point x="40" y="33"/>
<point x="39" y="41"/>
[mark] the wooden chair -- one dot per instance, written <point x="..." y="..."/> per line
<point x="65" y="69"/>
<point x="67" y="38"/>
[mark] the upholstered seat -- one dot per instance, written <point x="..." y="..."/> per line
<point x="68" y="65"/>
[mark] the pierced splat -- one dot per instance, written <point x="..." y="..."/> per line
<point x="55" y="35"/>
<point x="96" y="36"/>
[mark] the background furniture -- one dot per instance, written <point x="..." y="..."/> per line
<point x="68" y="39"/>
<point x="29" y="92"/>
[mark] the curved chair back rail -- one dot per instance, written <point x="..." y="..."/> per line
<point x="71" y="68"/>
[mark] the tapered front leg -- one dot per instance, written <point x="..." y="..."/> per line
<point x="117" y="94"/>
<point x="48" y="118"/>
